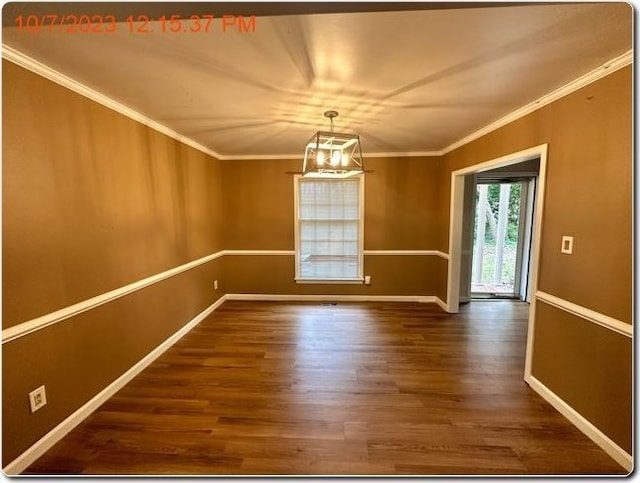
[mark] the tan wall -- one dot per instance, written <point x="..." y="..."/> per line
<point x="588" y="196"/>
<point x="441" y="282"/>
<point x="80" y="356"/>
<point x="401" y="197"/>
<point x="588" y="192"/>
<point x="93" y="201"/>
<point x="589" y="367"/>
<point x="401" y="213"/>
<point x="390" y="275"/>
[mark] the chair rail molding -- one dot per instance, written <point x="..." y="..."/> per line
<point x="587" y="314"/>
<point x="25" y="328"/>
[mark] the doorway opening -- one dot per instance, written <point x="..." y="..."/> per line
<point x="459" y="248"/>
<point x="497" y="232"/>
<point x="501" y="243"/>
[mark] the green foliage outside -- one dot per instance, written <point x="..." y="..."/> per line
<point x="493" y="196"/>
<point x="509" y="253"/>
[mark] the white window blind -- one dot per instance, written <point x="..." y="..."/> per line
<point x="329" y="229"/>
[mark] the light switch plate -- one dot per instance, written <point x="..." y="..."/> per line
<point x="567" y="245"/>
<point x="37" y="398"/>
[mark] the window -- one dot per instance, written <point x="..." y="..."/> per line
<point x="329" y="229"/>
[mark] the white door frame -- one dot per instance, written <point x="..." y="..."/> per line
<point x="455" y="229"/>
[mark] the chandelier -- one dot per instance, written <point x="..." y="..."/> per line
<point x="331" y="154"/>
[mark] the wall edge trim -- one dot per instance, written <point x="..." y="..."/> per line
<point x="37" y="449"/>
<point x="623" y="458"/>
<point x="25" y="328"/>
<point x="605" y="69"/>
<point x="587" y="314"/>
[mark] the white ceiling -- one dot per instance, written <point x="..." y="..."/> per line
<point x="406" y="81"/>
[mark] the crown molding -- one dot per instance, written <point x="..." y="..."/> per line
<point x="409" y="154"/>
<point x="33" y="65"/>
<point x="586" y="79"/>
<point x="257" y="157"/>
<point x="298" y="157"/>
<point x="37" y="67"/>
<point x="240" y="157"/>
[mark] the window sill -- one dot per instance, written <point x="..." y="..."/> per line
<point x="342" y="281"/>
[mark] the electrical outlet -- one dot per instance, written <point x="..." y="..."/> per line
<point x="367" y="279"/>
<point x="215" y="285"/>
<point x="37" y="398"/>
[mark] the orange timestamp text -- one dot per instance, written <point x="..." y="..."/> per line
<point x="134" y="24"/>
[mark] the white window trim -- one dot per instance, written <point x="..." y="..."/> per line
<point x="296" y="211"/>
<point x="331" y="281"/>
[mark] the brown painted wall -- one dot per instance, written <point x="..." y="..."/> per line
<point x="588" y="192"/>
<point x="390" y="275"/>
<point x="93" y="201"/>
<point x="588" y="361"/>
<point x="80" y="356"/>
<point x="401" y="213"/>
<point x="441" y="282"/>
<point x="401" y="197"/>
<point x="401" y="203"/>
<point x="588" y="196"/>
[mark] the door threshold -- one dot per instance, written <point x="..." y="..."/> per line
<point x="476" y="296"/>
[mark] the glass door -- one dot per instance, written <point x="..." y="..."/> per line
<point x="500" y="238"/>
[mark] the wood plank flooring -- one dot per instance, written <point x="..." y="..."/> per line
<point x="263" y="388"/>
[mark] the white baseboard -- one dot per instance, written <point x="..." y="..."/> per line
<point x="609" y="446"/>
<point x="428" y="299"/>
<point x="443" y="305"/>
<point x="23" y="461"/>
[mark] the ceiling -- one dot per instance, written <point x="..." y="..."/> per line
<point x="410" y="81"/>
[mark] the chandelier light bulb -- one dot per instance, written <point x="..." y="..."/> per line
<point x="336" y="158"/>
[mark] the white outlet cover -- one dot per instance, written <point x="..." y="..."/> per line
<point x="37" y="398"/>
<point x="567" y="245"/>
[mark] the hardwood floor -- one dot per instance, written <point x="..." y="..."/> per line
<point x="261" y="388"/>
